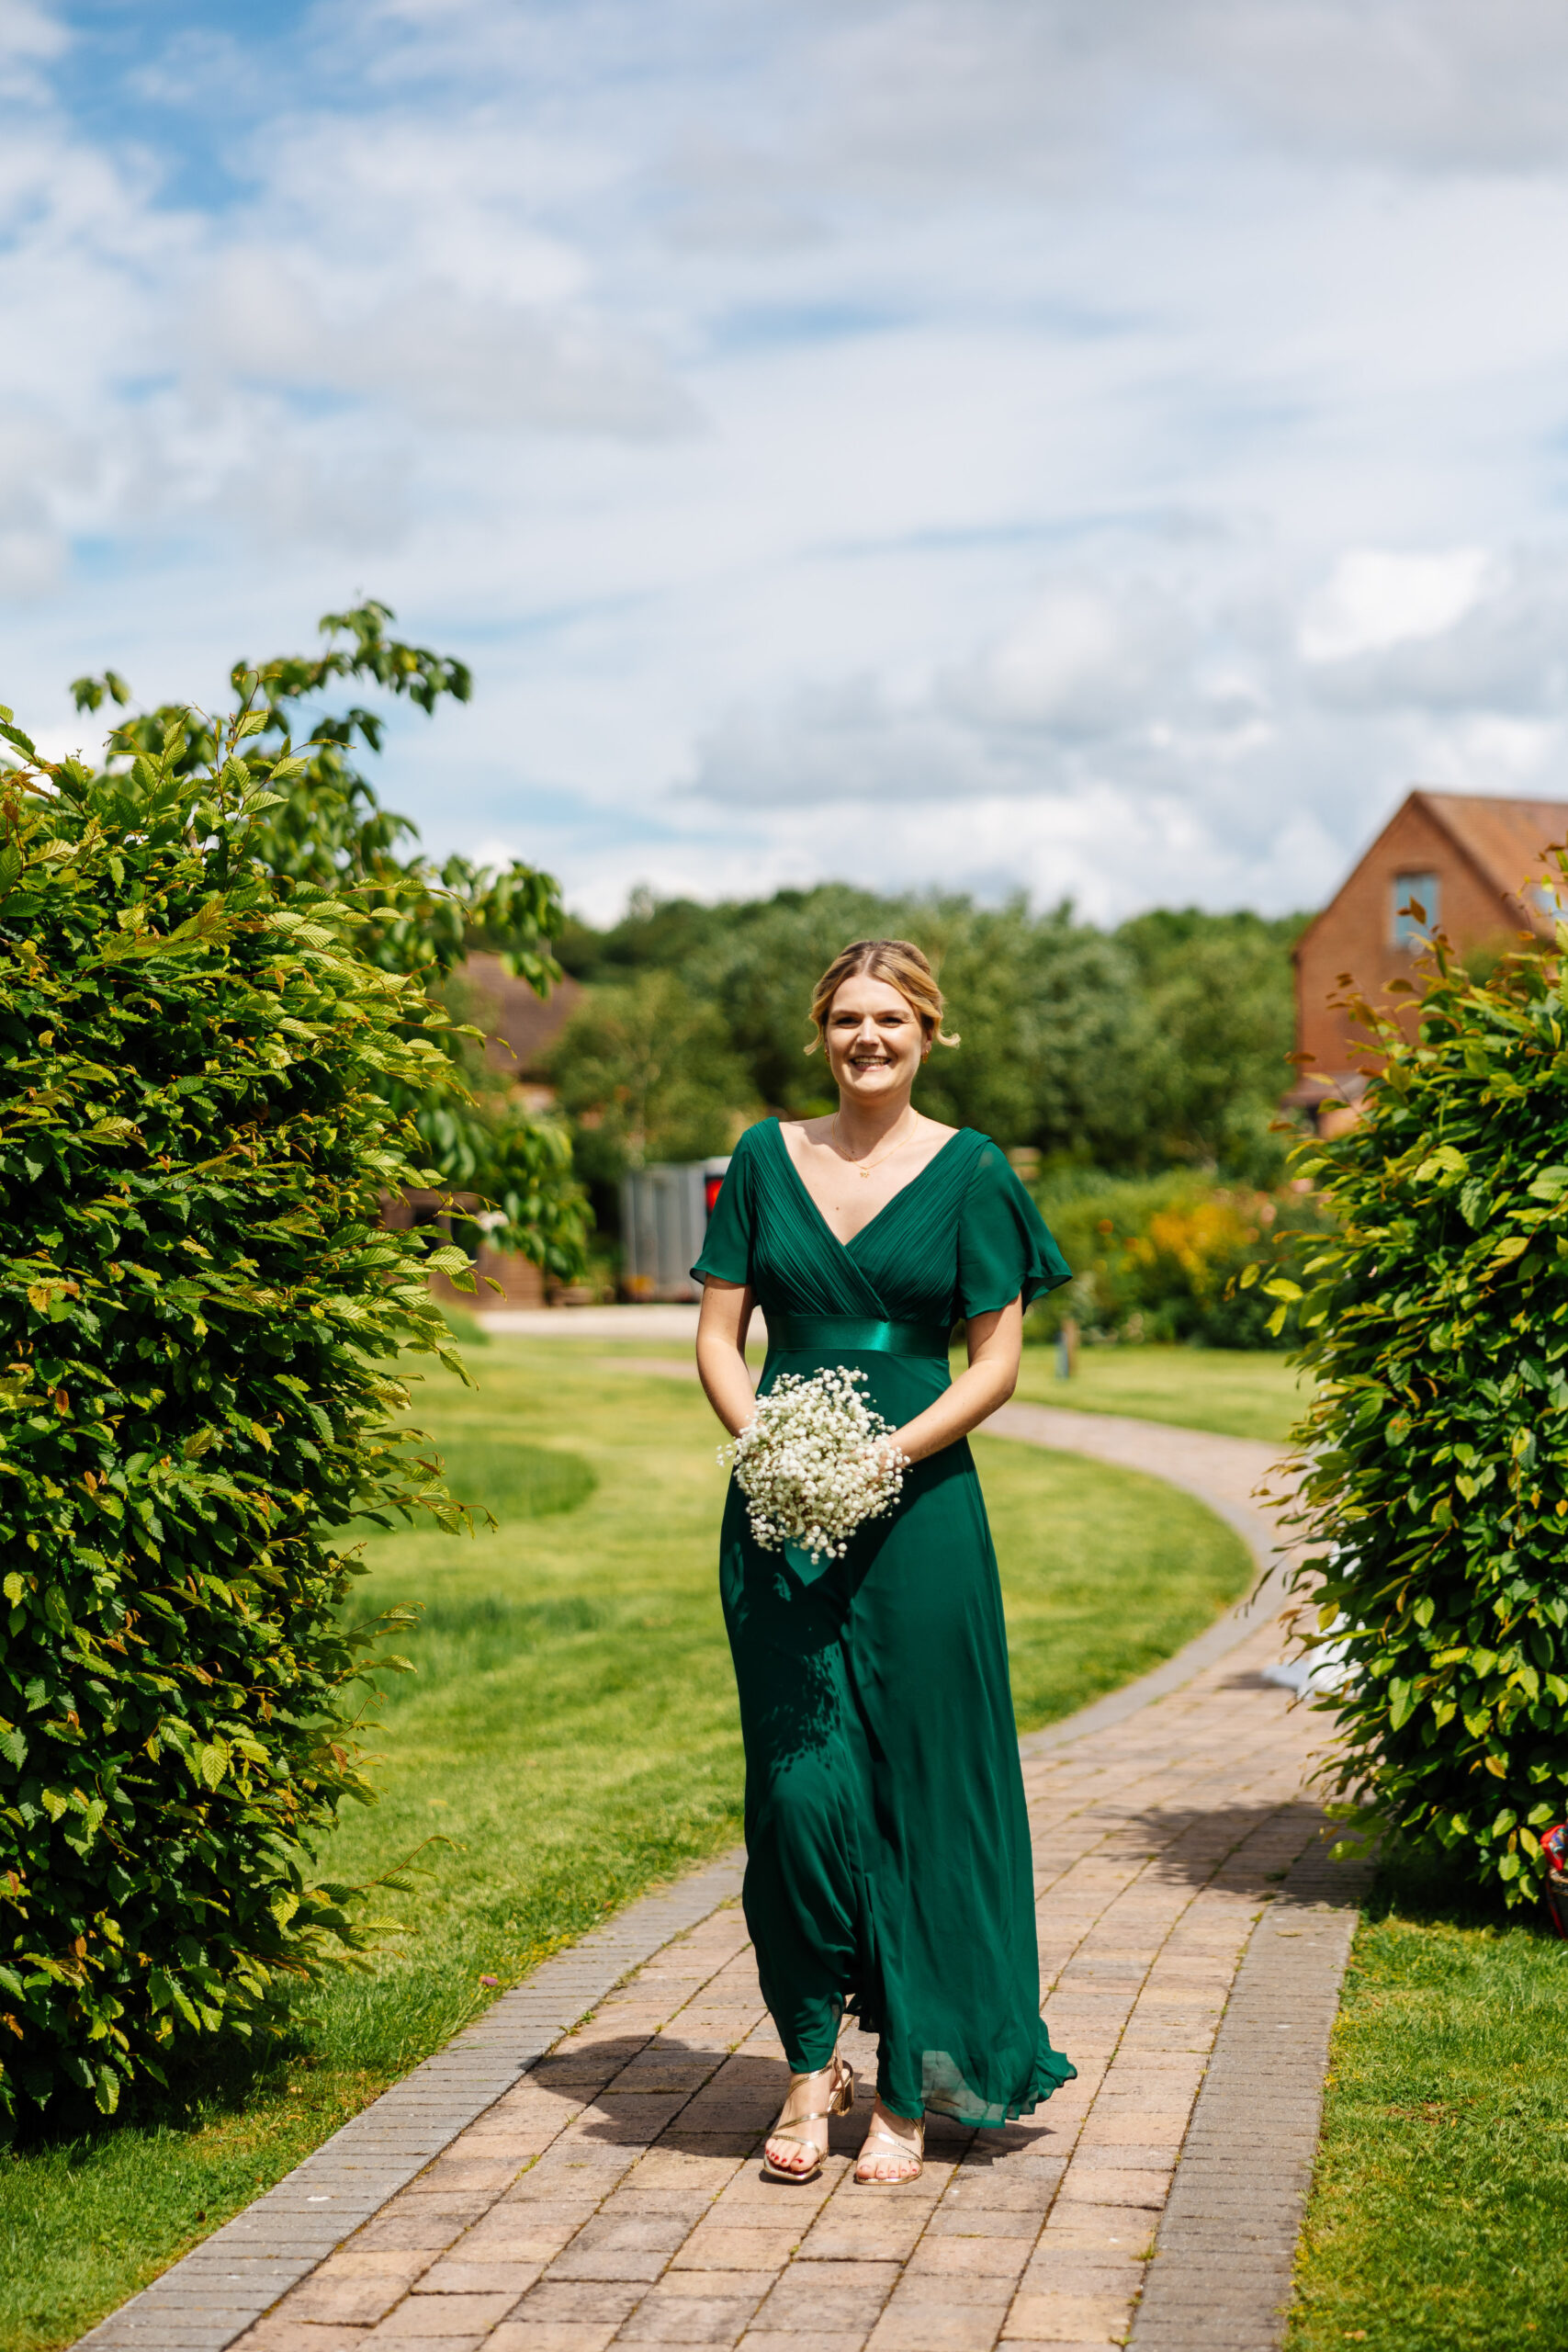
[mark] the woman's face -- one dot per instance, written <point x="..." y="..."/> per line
<point x="875" y="1042"/>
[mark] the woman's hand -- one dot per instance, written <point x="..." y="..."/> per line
<point x="889" y="1453"/>
<point x="996" y="1344"/>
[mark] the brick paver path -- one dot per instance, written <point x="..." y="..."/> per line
<point x="612" y="2195"/>
<point x="615" y="2196"/>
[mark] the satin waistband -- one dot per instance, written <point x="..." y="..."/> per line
<point x="807" y="1335"/>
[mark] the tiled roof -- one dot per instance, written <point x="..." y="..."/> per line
<point x="511" y="1015"/>
<point x="1504" y="840"/>
<point x="1507" y="839"/>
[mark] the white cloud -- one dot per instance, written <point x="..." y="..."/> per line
<point x="1483" y="636"/>
<point x="1376" y="597"/>
<point x="31" y="37"/>
<point x="195" y="67"/>
<point x="1192" y="746"/>
<point x="1112" y="450"/>
<point x="1439" y="85"/>
<point x="430" y="353"/>
<point x="974" y="89"/>
<point x="1085" y="663"/>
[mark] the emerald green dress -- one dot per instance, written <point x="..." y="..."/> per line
<point x="888" y="1865"/>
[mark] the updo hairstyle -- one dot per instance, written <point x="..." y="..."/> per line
<point x="898" y="962"/>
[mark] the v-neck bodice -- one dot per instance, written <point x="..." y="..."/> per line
<point x="959" y="1237"/>
<point x="798" y="1173"/>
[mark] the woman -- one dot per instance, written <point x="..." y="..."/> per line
<point x="888" y="1865"/>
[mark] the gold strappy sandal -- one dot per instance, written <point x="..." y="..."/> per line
<point x="841" y="2098"/>
<point x="887" y="2144"/>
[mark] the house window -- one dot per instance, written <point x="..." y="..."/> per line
<point x="1411" y="931"/>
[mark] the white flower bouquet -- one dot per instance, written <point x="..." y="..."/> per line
<point x="812" y="1466"/>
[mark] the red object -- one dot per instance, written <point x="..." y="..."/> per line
<point x="712" y="1187"/>
<point x="1554" y="1846"/>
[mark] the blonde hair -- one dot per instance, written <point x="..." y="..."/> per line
<point x="898" y="962"/>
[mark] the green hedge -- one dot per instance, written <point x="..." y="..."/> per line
<point x="1437" y="1450"/>
<point x="200" y="1316"/>
<point x="327" y="827"/>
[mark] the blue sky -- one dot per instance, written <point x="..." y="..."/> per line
<point x="1106" y="448"/>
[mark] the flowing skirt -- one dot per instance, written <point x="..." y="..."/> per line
<point x="888" y="1863"/>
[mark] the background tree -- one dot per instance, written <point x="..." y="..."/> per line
<point x="1045" y="1010"/>
<point x="1216" y="1020"/>
<point x="1166" y="1257"/>
<point x="1159" y="1045"/>
<point x="327" y="829"/>
<point x="646" y="1072"/>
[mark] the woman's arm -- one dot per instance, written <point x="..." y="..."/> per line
<point x="996" y="1343"/>
<point x="721" y="1351"/>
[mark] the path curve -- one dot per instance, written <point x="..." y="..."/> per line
<point x="607" y="2192"/>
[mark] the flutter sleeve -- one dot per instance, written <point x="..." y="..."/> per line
<point x="727" y="1247"/>
<point x="1005" y="1249"/>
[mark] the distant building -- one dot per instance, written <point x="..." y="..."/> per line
<point x="519" y="1028"/>
<point x="1474" y="865"/>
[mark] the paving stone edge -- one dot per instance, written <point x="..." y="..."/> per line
<point x="1224" y="2253"/>
<point x="224" y="2284"/>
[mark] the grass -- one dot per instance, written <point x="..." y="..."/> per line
<point x="570" y="1737"/>
<point x="1234" y="1392"/>
<point x="1439" y="2206"/>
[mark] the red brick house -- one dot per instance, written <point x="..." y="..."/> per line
<point x="519" y="1029"/>
<point x="1473" y="864"/>
<point x="519" y="1026"/>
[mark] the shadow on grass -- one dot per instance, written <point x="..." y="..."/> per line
<point x="225" y="2077"/>
<point x="1424" y="1890"/>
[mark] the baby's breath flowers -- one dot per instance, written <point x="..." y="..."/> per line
<point x="810" y="1462"/>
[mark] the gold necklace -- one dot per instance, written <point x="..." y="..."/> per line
<point x="864" y="1166"/>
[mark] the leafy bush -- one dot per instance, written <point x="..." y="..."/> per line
<point x="1436" y="1450"/>
<point x="1164" y="1257"/>
<point x="198" y="1307"/>
<point x="326" y="827"/>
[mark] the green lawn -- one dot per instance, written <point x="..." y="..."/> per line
<point x="570" y="1737"/>
<point x="1440" y="2209"/>
<point x="1234" y="1392"/>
